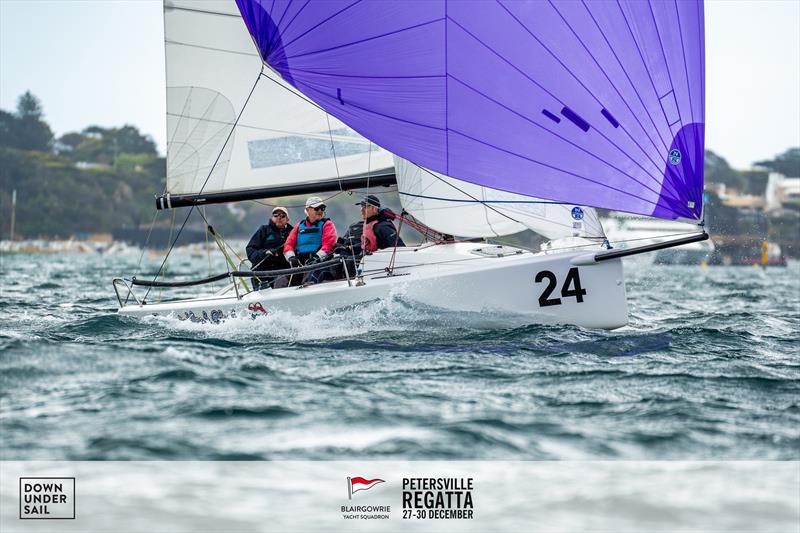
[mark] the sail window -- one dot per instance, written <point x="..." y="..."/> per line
<point x="293" y="149"/>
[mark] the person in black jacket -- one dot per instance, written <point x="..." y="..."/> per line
<point x="378" y="226"/>
<point x="265" y="249"/>
<point x="380" y="233"/>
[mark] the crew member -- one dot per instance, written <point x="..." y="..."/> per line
<point x="379" y="231"/>
<point x="375" y="231"/>
<point x="265" y="249"/>
<point x="311" y="241"/>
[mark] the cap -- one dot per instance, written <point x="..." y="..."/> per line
<point x="280" y="210"/>
<point x="314" y="201"/>
<point x="371" y="199"/>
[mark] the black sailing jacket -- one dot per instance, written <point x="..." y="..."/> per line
<point x="268" y="237"/>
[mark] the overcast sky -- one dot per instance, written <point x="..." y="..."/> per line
<point x="102" y="62"/>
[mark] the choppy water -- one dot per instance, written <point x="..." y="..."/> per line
<point x="708" y="368"/>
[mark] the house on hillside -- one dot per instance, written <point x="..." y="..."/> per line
<point x="782" y="192"/>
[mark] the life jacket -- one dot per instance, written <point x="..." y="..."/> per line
<point x="309" y="238"/>
<point x="276" y="237"/>
<point x="369" y="242"/>
<point x="273" y="239"/>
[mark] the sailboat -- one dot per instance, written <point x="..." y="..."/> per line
<point x="490" y="118"/>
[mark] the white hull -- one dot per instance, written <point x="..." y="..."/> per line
<point x="455" y="277"/>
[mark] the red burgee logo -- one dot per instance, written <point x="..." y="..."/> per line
<point x="356" y="484"/>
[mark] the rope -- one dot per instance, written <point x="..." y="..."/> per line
<point x="396" y="240"/>
<point x="221" y="243"/>
<point x="363" y="213"/>
<point x="219" y="239"/>
<point x="426" y="232"/>
<point x="208" y="245"/>
<point x="333" y="149"/>
<point x="296" y="206"/>
<point x="146" y="242"/>
<point x="483" y="202"/>
<point x="169" y="239"/>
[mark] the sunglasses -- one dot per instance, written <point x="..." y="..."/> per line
<point x="279" y="215"/>
<point x="319" y="209"/>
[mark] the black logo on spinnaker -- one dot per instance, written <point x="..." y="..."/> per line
<point x="46" y="498"/>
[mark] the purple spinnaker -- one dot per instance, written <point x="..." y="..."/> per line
<point x="461" y="87"/>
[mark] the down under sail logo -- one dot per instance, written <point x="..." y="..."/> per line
<point x="357" y="484"/>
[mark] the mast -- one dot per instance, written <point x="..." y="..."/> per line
<point x="13" y="212"/>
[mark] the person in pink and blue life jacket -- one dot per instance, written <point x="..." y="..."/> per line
<point x="311" y="241"/>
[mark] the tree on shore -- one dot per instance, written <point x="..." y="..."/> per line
<point x="787" y="163"/>
<point x="58" y="198"/>
<point x="26" y="129"/>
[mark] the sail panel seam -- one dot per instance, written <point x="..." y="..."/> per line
<point x="616" y="89"/>
<point x="367" y="39"/>
<point x="467" y="194"/>
<point x="645" y="65"/>
<point x="285" y="46"/>
<point x="524" y="74"/>
<point x="627" y="76"/>
<point x="559" y="136"/>
<point x="510" y="152"/>
<point x="575" y="76"/>
<point x="310" y="86"/>
<point x="211" y="48"/>
<point x="686" y="73"/>
<point x="362" y="76"/>
<point x="679" y="139"/>
<point x="289" y="24"/>
<point x="278" y="24"/>
<point x="446" y="96"/>
<point x="202" y="11"/>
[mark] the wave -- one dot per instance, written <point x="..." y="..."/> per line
<point x="381" y="317"/>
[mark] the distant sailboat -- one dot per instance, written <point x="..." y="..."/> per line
<point x="490" y="117"/>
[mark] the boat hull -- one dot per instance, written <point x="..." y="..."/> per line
<point x="468" y="277"/>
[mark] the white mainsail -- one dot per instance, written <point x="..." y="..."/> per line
<point x="280" y="138"/>
<point x="461" y="208"/>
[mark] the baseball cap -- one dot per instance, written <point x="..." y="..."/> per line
<point x="280" y="210"/>
<point x="314" y="201"/>
<point x="370" y="199"/>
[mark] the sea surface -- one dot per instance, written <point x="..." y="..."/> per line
<point x="707" y="369"/>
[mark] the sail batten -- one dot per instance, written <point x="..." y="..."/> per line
<point x="585" y="103"/>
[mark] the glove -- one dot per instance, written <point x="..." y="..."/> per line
<point x="313" y="260"/>
<point x="268" y="254"/>
<point x="294" y="262"/>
